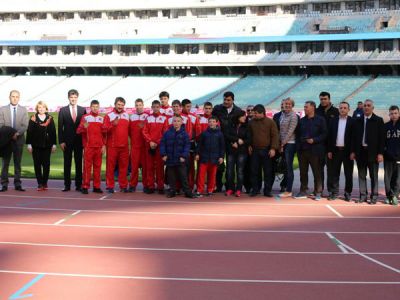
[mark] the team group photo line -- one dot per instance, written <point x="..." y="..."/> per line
<point x="222" y="149"/>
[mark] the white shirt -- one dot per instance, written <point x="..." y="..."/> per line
<point x="340" y="132"/>
<point x="12" y="112"/>
<point x="364" y="142"/>
<point x="229" y="109"/>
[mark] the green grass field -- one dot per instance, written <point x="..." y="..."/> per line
<point x="57" y="162"/>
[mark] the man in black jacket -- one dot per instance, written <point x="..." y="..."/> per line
<point x="339" y="147"/>
<point x="328" y="112"/>
<point x="392" y="156"/>
<point x="69" y="118"/>
<point x="367" y="148"/>
<point x="225" y="113"/>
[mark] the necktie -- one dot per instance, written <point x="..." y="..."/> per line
<point x="73" y="114"/>
<point x="14" y="121"/>
<point x="365" y="131"/>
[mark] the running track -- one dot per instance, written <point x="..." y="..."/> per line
<point x="56" y="245"/>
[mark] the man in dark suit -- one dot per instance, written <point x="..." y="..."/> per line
<point x="15" y="116"/>
<point x="69" y="118"/>
<point x="368" y="148"/>
<point x="339" y="148"/>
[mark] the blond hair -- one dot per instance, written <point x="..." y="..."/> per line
<point x="43" y="104"/>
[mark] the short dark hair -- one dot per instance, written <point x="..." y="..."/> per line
<point x="325" y="94"/>
<point x="119" y="99"/>
<point x="155" y="102"/>
<point x="360" y="102"/>
<point x="185" y="102"/>
<point x="176" y="102"/>
<point x="72" y="92"/>
<point x="312" y="103"/>
<point x="178" y="116"/>
<point x="236" y="118"/>
<point x="94" y="102"/>
<point x="207" y="104"/>
<point x="344" y="102"/>
<point x="163" y="94"/>
<point x="213" y="118"/>
<point x="229" y="94"/>
<point x="393" y="107"/>
<point x="139" y="100"/>
<point x="259" y="108"/>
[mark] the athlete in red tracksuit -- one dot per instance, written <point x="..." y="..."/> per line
<point x="93" y="134"/>
<point x="138" y="149"/>
<point x="117" y="125"/>
<point x="154" y="128"/>
<point x="165" y="109"/>
<point x="195" y="134"/>
<point x="203" y="120"/>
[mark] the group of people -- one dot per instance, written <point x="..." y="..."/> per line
<point x="174" y="146"/>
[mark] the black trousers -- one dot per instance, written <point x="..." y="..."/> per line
<point x="219" y="176"/>
<point x="76" y="151"/>
<point x="325" y="162"/>
<point x="259" y="158"/>
<point x="306" y="159"/>
<point x="178" y="173"/>
<point x="340" y="157"/>
<point x="392" y="178"/>
<point x="362" y="165"/>
<point x="17" y="156"/>
<point x="41" y="163"/>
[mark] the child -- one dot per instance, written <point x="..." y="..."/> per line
<point x="210" y="154"/>
<point x="174" y="150"/>
<point x="93" y="139"/>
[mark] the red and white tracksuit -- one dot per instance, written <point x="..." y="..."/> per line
<point x="166" y="111"/>
<point x="117" y="148"/>
<point x="138" y="149"/>
<point x="203" y="121"/>
<point x="154" y="128"/>
<point x="93" y="140"/>
<point x="210" y="170"/>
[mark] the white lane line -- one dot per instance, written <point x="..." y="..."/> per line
<point x="104" y="276"/>
<point x="67" y="218"/>
<point x="369" y="258"/>
<point x="275" y="203"/>
<point x="190" y="250"/>
<point x="336" y="242"/>
<point x="201" y="229"/>
<point x="334" y="211"/>
<point x="105" y="197"/>
<point x="185" y="214"/>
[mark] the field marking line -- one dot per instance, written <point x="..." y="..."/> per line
<point x="18" y="294"/>
<point x="337" y="243"/>
<point x="334" y="211"/>
<point x="67" y="218"/>
<point x="229" y="280"/>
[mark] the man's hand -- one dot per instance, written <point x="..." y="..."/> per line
<point x="197" y="157"/>
<point x="153" y="145"/>
<point x="63" y="146"/>
<point x="103" y="150"/>
<point x="30" y="149"/>
<point x="310" y="141"/>
<point x="115" y="122"/>
<point x="15" y="136"/>
<point x="86" y="124"/>
<point x="235" y="145"/>
<point x="220" y="160"/>
<point x="250" y="150"/>
<point x="53" y="149"/>
<point x="182" y="160"/>
<point x="379" y="158"/>
<point x="164" y="158"/>
<point x="352" y="156"/>
<point x="271" y="153"/>
<point x="330" y="155"/>
<point x="240" y="142"/>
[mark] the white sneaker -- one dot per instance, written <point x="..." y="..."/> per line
<point x="285" y="194"/>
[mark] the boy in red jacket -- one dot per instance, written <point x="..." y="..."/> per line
<point x="93" y="132"/>
<point x="155" y="126"/>
<point x="117" y="125"/>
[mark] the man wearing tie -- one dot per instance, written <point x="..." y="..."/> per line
<point x="15" y="116"/>
<point x="339" y="147"/>
<point x="367" y="148"/>
<point x="69" y="118"/>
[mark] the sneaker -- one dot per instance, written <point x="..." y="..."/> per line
<point x="332" y="197"/>
<point x="45" y="187"/>
<point x="132" y="189"/>
<point x="149" y="191"/>
<point x="317" y="197"/>
<point x="228" y="193"/>
<point x="301" y="195"/>
<point x="283" y="189"/>
<point x="198" y="195"/>
<point x="253" y="194"/>
<point x="238" y="193"/>
<point x="171" y="194"/>
<point x="268" y="194"/>
<point x="388" y="200"/>
<point x="374" y="199"/>
<point x="190" y="195"/>
<point x="84" y="191"/>
<point x="347" y="197"/>
<point x="97" y="191"/>
<point x="285" y="194"/>
<point x="395" y="201"/>
<point x="40" y="188"/>
<point x="110" y="190"/>
<point x="161" y="192"/>
<point x="124" y="190"/>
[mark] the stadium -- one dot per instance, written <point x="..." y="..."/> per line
<point x="146" y="247"/>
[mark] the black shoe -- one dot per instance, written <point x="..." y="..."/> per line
<point x="132" y="189"/>
<point x="347" y="197"/>
<point x="124" y="190"/>
<point x="78" y="189"/>
<point x="19" y="188"/>
<point x="161" y="192"/>
<point x="218" y="190"/>
<point x="253" y="194"/>
<point x="268" y="194"/>
<point x="332" y="197"/>
<point x="373" y="200"/>
<point x="110" y="190"/>
<point x="84" y="191"/>
<point x="283" y="189"/>
<point x="98" y="191"/>
<point x="4" y="189"/>
<point x="150" y="191"/>
<point x="362" y="199"/>
<point x="189" y="195"/>
<point x="66" y="189"/>
<point x="170" y="194"/>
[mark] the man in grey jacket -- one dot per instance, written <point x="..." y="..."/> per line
<point x="15" y="116"/>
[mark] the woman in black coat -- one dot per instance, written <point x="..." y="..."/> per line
<point x="41" y="140"/>
<point x="237" y="138"/>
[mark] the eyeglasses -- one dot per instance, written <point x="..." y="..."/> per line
<point x="367" y="105"/>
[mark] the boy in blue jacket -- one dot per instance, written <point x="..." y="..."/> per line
<point x="174" y="150"/>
